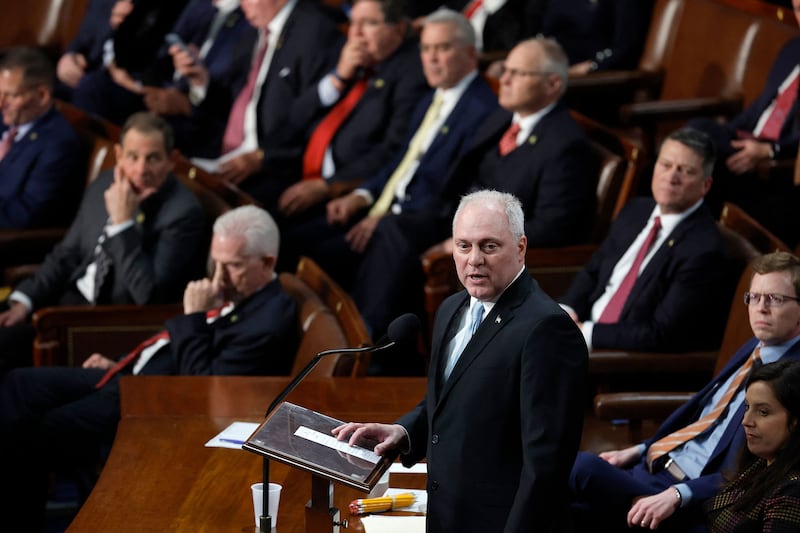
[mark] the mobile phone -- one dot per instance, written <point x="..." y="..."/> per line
<point x="174" y="38"/>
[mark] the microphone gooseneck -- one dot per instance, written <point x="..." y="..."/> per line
<point x="401" y="330"/>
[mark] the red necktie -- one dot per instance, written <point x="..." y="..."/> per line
<point x="777" y="117"/>
<point x="326" y="129"/>
<point x="134" y="354"/>
<point x="472" y="8"/>
<point x="8" y="140"/>
<point x="685" y="434"/>
<point x="508" y="142"/>
<point x="610" y="314"/>
<point x="234" y="131"/>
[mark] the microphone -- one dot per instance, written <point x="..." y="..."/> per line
<point x="401" y="330"/>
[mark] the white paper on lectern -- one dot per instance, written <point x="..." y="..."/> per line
<point x="237" y="431"/>
<point x="393" y="524"/>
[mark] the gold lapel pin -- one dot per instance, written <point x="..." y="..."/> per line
<point x="379" y="83"/>
<point x="445" y="130"/>
<point x="533" y="139"/>
<point x="34" y="136"/>
<point x="140" y="218"/>
<point x="234" y="318"/>
<point x="671" y="243"/>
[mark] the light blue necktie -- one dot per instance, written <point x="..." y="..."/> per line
<point x="477" y="316"/>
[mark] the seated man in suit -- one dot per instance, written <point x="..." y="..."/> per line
<point x="238" y="322"/>
<point x="500" y="423"/>
<point x="531" y="147"/>
<point x="662" y="255"/>
<point x="210" y="29"/>
<point x="137" y="238"/>
<point x="364" y="106"/>
<point x="599" y="35"/>
<point x="291" y="45"/>
<point x="768" y="129"/>
<point x="124" y="51"/>
<point x="88" y="50"/>
<point x="441" y="127"/>
<point x="42" y="161"/>
<point x="662" y="482"/>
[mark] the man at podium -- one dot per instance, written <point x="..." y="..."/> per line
<point x="501" y="421"/>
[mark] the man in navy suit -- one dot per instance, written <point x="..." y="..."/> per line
<point x="113" y="58"/>
<point x="620" y="486"/>
<point x="687" y="262"/>
<point x="379" y="53"/>
<point x="546" y="161"/>
<point x="599" y="34"/>
<point x="137" y="238"/>
<point x="238" y="322"/>
<point x="501" y="420"/>
<point x="42" y="160"/>
<point x="416" y="176"/>
<point x="291" y="45"/>
<point x="752" y="138"/>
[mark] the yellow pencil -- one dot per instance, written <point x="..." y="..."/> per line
<point x="384" y="503"/>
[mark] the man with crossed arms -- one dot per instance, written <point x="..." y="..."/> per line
<point x="653" y="481"/>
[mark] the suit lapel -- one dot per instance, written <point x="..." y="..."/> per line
<point x="501" y="315"/>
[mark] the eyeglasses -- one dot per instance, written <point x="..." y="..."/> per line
<point x="516" y="73"/>
<point x="770" y="300"/>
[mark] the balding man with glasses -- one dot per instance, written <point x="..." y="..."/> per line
<point x="662" y="482"/>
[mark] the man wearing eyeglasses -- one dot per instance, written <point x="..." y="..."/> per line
<point x="663" y="481"/>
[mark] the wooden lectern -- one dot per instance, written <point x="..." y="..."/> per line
<point x="302" y="439"/>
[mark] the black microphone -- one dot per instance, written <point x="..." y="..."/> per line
<point x="401" y="330"/>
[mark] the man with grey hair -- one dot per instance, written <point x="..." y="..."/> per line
<point x="502" y="418"/>
<point x="531" y="148"/>
<point x="440" y="129"/>
<point x="239" y="321"/>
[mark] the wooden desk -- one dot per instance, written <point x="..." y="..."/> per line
<point x="160" y="477"/>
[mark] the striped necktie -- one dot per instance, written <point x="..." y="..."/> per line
<point x="665" y="445"/>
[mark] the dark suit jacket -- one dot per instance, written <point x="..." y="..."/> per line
<point x="447" y="147"/>
<point x="375" y="129"/>
<point x="554" y="175"/>
<point x="747" y="119"/>
<point x="726" y="453"/>
<point x="682" y="297"/>
<point x="259" y="337"/>
<point x="200" y="135"/>
<point x="503" y="432"/>
<point x="139" y="37"/>
<point x="151" y="261"/>
<point x="93" y="32"/>
<point x="42" y="176"/>
<point x="308" y="49"/>
<point x="610" y="32"/>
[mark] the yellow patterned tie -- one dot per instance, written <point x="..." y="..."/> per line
<point x="673" y="440"/>
<point x="412" y="154"/>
